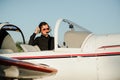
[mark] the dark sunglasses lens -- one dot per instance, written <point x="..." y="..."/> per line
<point x="46" y="29"/>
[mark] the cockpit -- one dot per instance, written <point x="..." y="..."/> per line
<point x="66" y="34"/>
<point x="7" y="43"/>
<point x="69" y="35"/>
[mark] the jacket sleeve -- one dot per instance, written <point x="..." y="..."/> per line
<point x="32" y="39"/>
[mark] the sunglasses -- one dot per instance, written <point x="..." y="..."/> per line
<point x="45" y="29"/>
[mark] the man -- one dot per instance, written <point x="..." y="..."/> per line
<point x="45" y="41"/>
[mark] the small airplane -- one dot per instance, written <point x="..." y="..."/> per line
<point x="78" y="55"/>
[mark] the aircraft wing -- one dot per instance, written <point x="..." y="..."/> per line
<point x="13" y="68"/>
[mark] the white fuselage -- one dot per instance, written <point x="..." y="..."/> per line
<point x="84" y="68"/>
<point x="77" y="67"/>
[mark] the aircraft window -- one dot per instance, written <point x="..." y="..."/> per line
<point x="17" y="40"/>
<point x="71" y="36"/>
<point x="10" y="38"/>
<point x="7" y="43"/>
<point x="7" y="27"/>
<point x="62" y="29"/>
<point x="74" y="39"/>
<point x="10" y="27"/>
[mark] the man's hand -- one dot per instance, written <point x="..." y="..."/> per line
<point x="37" y="30"/>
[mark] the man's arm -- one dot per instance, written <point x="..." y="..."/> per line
<point x="32" y="37"/>
<point x="31" y="41"/>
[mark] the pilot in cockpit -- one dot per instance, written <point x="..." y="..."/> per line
<point x="45" y="41"/>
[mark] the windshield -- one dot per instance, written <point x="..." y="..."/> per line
<point x="10" y="38"/>
<point x="12" y="30"/>
<point x="70" y="35"/>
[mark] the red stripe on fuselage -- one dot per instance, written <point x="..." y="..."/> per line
<point x="67" y="55"/>
<point x="110" y="46"/>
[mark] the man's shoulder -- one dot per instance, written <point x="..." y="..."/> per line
<point x="38" y="37"/>
<point x="52" y="37"/>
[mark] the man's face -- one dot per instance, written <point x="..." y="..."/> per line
<point x="45" y="30"/>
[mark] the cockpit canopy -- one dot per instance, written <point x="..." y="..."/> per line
<point x="70" y="35"/>
<point x="6" y="41"/>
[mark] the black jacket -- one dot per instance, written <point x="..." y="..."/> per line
<point x="44" y="43"/>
